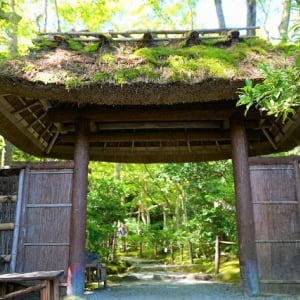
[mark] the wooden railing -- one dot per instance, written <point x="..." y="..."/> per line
<point x="139" y="35"/>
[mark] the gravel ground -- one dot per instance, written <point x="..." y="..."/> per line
<point x="189" y="290"/>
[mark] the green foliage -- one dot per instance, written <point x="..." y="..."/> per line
<point x="104" y="210"/>
<point x="277" y="95"/>
<point x="91" y="14"/>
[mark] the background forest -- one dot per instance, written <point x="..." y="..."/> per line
<point x="159" y="208"/>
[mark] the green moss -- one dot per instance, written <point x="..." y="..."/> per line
<point x="74" y="45"/>
<point x="91" y="47"/>
<point x="101" y="76"/>
<point x="73" y="82"/>
<point x="164" y="63"/>
<point x="28" y="67"/>
<point x="43" y="44"/>
<point x="107" y="58"/>
<point x="230" y="271"/>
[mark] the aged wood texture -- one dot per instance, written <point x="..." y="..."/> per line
<point x="45" y="220"/>
<point x="275" y="189"/>
<point x="45" y="281"/>
<point x="245" y="219"/>
<point x="8" y="192"/>
<point x="78" y="217"/>
<point x="6" y="226"/>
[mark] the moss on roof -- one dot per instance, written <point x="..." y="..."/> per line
<point x="75" y="65"/>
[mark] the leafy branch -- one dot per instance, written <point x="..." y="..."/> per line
<point x="277" y="95"/>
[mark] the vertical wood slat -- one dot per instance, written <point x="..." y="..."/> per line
<point x="297" y="179"/>
<point x="17" y="222"/>
<point x="20" y="258"/>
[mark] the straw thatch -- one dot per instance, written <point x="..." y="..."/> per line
<point x="163" y="102"/>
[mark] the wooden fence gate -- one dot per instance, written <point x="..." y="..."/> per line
<point x="275" y="184"/>
<point x="38" y="203"/>
<point x="43" y="233"/>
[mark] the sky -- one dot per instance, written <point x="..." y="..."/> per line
<point x="234" y="11"/>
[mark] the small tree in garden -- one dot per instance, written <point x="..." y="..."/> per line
<point x="104" y="211"/>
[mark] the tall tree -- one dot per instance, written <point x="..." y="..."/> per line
<point x="251" y="16"/>
<point x="220" y="13"/>
<point x="285" y="20"/>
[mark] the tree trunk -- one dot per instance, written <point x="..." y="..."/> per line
<point x="190" y="248"/>
<point x="13" y="30"/>
<point x="181" y="252"/>
<point x="114" y="247"/>
<point x="172" y="252"/>
<point x="220" y="13"/>
<point x="46" y="15"/>
<point x="8" y="153"/>
<point x="251" y="16"/>
<point x="117" y="172"/>
<point x="57" y="16"/>
<point x="285" y="20"/>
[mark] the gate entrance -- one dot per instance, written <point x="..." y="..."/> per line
<point x="275" y="185"/>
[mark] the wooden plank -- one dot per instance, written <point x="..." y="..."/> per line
<point x="5" y="258"/>
<point x="49" y="205"/>
<point x="297" y="184"/>
<point x="126" y="33"/>
<point x="7" y="226"/>
<point x="6" y="198"/>
<point x="38" y="275"/>
<point x="17" y="223"/>
<point x="55" y="290"/>
<point x="168" y="135"/>
<point x="24" y="291"/>
<point x="45" y="293"/>
<point x="45" y="166"/>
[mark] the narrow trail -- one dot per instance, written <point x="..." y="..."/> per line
<point x="152" y="280"/>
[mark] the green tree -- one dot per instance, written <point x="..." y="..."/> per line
<point x="104" y="211"/>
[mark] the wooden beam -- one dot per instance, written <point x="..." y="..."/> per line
<point x="26" y="107"/>
<point x="23" y="291"/>
<point x="76" y="268"/>
<point x="7" y="198"/>
<point x="129" y="32"/>
<point x="143" y="114"/>
<point x="153" y="136"/>
<point x="244" y="207"/>
<point x="7" y="226"/>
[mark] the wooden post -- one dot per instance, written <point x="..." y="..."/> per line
<point x="244" y="208"/>
<point x="76" y="268"/>
<point x="217" y="255"/>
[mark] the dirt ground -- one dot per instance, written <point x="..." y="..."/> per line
<point x="182" y="289"/>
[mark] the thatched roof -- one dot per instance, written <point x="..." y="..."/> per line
<point x="146" y="100"/>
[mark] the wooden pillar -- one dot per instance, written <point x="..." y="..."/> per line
<point x="244" y="208"/>
<point x="76" y="276"/>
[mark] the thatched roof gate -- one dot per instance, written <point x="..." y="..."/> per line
<point x="143" y="97"/>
